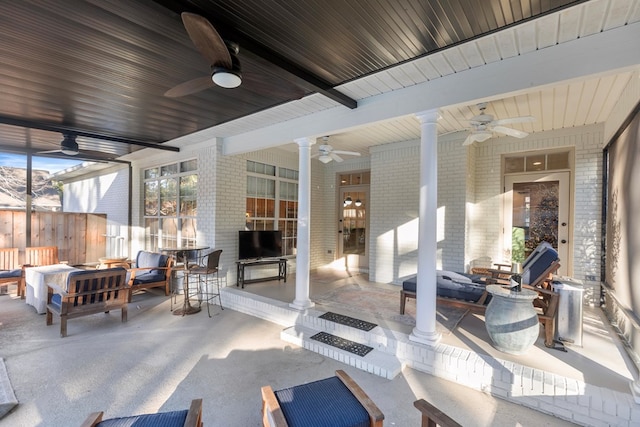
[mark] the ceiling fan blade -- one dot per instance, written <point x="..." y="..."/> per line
<point x="49" y="152"/>
<point x="509" y="131"/>
<point x="335" y="157"/>
<point x="313" y="156"/>
<point x="512" y="120"/>
<point x="470" y="139"/>
<point x="207" y="40"/>
<point x="348" y="153"/>
<point x="189" y="87"/>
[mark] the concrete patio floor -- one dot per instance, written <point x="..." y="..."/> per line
<point x="159" y="362"/>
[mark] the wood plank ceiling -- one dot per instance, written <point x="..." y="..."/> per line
<point x="100" y="68"/>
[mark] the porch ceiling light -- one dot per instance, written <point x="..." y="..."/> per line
<point x="325" y="158"/>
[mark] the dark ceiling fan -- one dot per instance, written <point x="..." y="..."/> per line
<point x="69" y="146"/>
<point x="225" y="71"/>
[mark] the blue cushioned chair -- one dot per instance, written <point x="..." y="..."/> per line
<point x="10" y="271"/>
<point x="332" y="402"/>
<point x="152" y="270"/>
<point x="183" y="418"/>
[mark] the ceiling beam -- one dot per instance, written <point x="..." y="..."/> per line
<point x="250" y="45"/>
<point x="71" y="130"/>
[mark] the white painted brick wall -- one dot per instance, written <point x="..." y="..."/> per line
<point x="106" y="193"/>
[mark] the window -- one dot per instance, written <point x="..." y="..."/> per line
<point x="170" y="205"/>
<point x="534" y="162"/>
<point x="272" y="202"/>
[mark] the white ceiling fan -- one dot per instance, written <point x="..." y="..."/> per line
<point x="326" y="153"/>
<point x="483" y="125"/>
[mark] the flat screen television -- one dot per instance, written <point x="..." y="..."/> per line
<point x="259" y="244"/>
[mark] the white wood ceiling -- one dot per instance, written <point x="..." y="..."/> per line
<point x="565" y="105"/>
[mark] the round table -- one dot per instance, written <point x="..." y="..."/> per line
<point x="180" y="253"/>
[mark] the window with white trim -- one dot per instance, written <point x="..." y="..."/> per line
<point x="272" y="202"/>
<point x="170" y="205"/>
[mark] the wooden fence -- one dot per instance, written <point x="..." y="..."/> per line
<point x="80" y="237"/>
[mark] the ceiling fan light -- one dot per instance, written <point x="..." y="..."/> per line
<point x="69" y="146"/>
<point x="225" y="78"/>
<point x="325" y="158"/>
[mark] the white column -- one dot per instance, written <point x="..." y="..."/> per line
<point x="302" y="300"/>
<point x="425" y="330"/>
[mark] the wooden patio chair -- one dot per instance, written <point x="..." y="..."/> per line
<point x="11" y="271"/>
<point x="152" y="270"/>
<point x="182" y="418"/>
<point x="333" y="402"/>
<point x="37" y="256"/>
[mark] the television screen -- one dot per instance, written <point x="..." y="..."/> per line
<point x="259" y="244"/>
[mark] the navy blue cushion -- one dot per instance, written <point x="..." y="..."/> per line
<point x="56" y="300"/>
<point x="162" y="419"/>
<point x="151" y="259"/>
<point x="447" y="287"/>
<point x="322" y="403"/>
<point x="5" y="274"/>
<point x="539" y="260"/>
<point x="148" y="278"/>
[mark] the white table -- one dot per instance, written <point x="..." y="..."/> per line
<point x="37" y="279"/>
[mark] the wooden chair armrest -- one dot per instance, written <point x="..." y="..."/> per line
<point x="271" y="409"/>
<point x="432" y="416"/>
<point x="501" y="265"/>
<point x="53" y="288"/>
<point x="194" y="416"/>
<point x="374" y="412"/>
<point x="93" y="419"/>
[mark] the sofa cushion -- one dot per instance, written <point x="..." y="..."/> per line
<point x="150" y="259"/>
<point x="462" y="287"/>
<point x="6" y="274"/>
<point x="150" y="277"/>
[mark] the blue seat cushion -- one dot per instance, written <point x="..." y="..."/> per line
<point x="6" y="274"/>
<point x="162" y="419"/>
<point x="151" y="259"/>
<point x="452" y="285"/>
<point x="539" y="260"/>
<point x="322" y="403"/>
<point x="150" y="277"/>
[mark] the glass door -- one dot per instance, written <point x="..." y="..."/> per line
<point x="352" y="227"/>
<point x="537" y="210"/>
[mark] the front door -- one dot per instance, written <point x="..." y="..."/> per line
<point x="352" y="228"/>
<point x="536" y="209"/>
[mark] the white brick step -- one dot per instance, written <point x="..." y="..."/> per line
<point x="375" y="362"/>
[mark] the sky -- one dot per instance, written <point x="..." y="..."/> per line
<point x="42" y="163"/>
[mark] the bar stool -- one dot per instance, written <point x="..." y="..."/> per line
<point x="208" y="279"/>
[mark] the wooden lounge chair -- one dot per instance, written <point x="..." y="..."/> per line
<point x="152" y="270"/>
<point x="333" y="402"/>
<point x="88" y="292"/>
<point x="537" y="274"/>
<point x="184" y="418"/>
<point x="11" y="271"/>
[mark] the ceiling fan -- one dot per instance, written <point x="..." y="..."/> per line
<point x="69" y="146"/>
<point x="483" y="125"/>
<point x="326" y="153"/>
<point x="225" y="71"/>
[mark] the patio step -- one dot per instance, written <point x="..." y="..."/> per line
<point x="7" y="397"/>
<point x="375" y="362"/>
